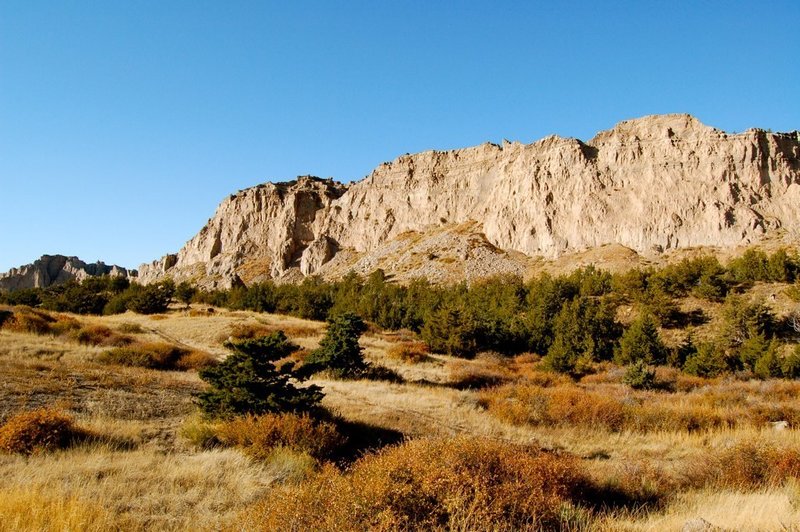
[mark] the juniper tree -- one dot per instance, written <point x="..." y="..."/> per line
<point x="248" y="381"/>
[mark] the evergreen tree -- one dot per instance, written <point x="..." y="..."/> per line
<point x="641" y="342"/>
<point x="338" y="350"/>
<point x="248" y="382"/>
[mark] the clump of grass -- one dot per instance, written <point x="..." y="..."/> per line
<point x="157" y="355"/>
<point x="258" y="436"/>
<point x="464" y="484"/>
<point x="100" y="335"/>
<point x="38" y="431"/>
<point x="409" y="352"/>
<point x="130" y="328"/>
<point x="470" y="375"/>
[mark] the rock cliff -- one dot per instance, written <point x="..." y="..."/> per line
<point x="651" y="184"/>
<point x="56" y="269"/>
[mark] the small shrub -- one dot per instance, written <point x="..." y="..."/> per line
<point x="640" y="376"/>
<point x="260" y="435"/>
<point x="157" y="355"/>
<point x="28" y="320"/>
<point x="409" y="352"/>
<point x="37" y="431"/>
<point x="559" y="406"/>
<point x="130" y="328"/>
<point x="200" y="432"/>
<point x="100" y="335"/>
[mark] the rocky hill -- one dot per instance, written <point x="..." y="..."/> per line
<point x="56" y="269"/>
<point x="648" y="185"/>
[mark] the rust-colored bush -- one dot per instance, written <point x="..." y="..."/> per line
<point x="28" y="320"/>
<point x="561" y="405"/>
<point x="260" y="435"/>
<point x="463" y="484"/>
<point x="409" y="352"/>
<point x="753" y="464"/>
<point x="157" y="355"/>
<point x="195" y="360"/>
<point x="100" y="335"/>
<point x="37" y="431"/>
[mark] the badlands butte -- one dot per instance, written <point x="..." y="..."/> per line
<point x="641" y="189"/>
<point x="642" y="192"/>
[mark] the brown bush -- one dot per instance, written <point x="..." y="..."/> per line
<point x="409" y="352"/>
<point x="100" y="335"/>
<point x="463" y="484"/>
<point x="561" y="405"/>
<point x="28" y="320"/>
<point x="260" y="435"/>
<point x="752" y="464"/>
<point x="253" y="330"/>
<point x="37" y="431"/>
<point x="157" y="355"/>
<point x="477" y="374"/>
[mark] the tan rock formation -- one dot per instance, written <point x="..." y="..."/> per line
<point x="56" y="269"/>
<point x="651" y="184"/>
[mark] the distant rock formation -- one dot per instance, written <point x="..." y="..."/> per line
<point x="651" y="184"/>
<point x="56" y="269"/>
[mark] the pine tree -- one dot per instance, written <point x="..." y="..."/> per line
<point x="641" y="343"/>
<point x="338" y="350"/>
<point x="248" y="382"/>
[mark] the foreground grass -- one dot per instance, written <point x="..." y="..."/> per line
<point x="644" y="460"/>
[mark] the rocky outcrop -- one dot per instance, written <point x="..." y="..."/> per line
<point x="57" y="269"/>
<point x="257" y="233"/>
<point x="652" y="184"/>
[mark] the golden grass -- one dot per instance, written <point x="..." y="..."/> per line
<point x="48" y="510"/>
<point x="155" y="491"/>
<point x="696" y="448"/>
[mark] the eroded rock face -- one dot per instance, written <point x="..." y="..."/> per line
<point x="651" y="184"/>
<point x="57" y="269"/>
<point x="270" y="226"/>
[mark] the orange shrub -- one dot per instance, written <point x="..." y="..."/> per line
<point x="753" y="464"/>
<point x="100" y="335"/>
<point x="561" y="405"/>
<point x="37" y="431"/>
<point x="26" y="319"/>
<point x="259" y="435"/>
<point x="463" y="484"/>
<point x="409" y="352"/>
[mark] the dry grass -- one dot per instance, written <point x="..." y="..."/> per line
<point x="48" y="510"/>
<point x="409" y="352"/>
<point x="139" y="489"/>
<point x="692" y="448"/>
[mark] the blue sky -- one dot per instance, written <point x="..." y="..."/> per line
<point x="123" y="124"/>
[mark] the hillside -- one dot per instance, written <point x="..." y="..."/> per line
<point x="651" y="185"/>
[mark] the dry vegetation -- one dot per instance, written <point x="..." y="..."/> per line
<point x="492" y="443"/>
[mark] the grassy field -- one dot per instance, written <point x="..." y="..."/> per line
<point x="596" y="455"/>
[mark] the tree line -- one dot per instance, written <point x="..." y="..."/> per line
<point x="571" y="320"/>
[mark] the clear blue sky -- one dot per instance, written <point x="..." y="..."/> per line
<point x="123" y="124"/>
